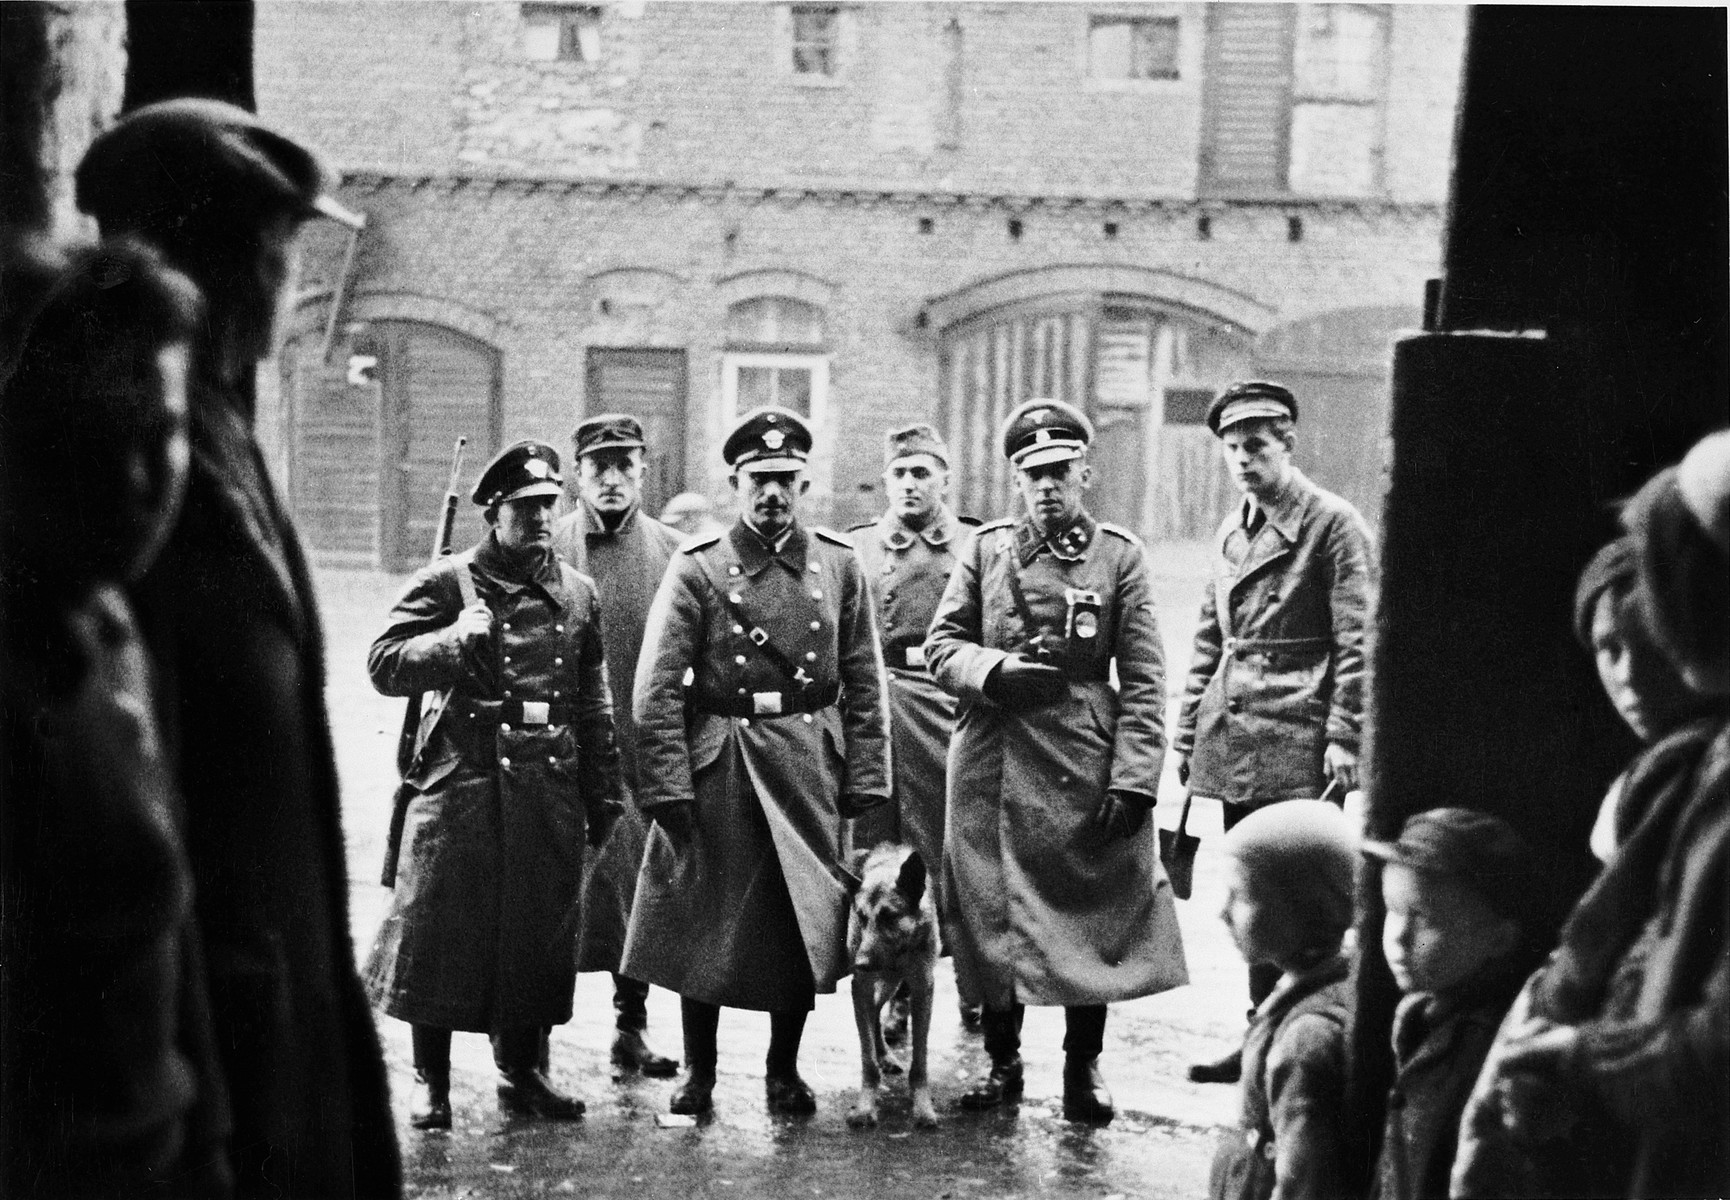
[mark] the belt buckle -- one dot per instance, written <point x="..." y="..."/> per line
<point x="766" y="704"/>
<point x="916" y="656"/>
<point x="536" y="712"/>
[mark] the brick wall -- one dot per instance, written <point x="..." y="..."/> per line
<point x="965" y="97"/>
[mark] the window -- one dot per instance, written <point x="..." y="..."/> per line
<point x="775" y="355"/>
<point x="561" y="33"/>
<point x="1339" y="54"/>
<point x="816" y="41"/>
<point x="784" y="380"/>
<point x="1133" y="48"/>
<point x="775" y="323"/>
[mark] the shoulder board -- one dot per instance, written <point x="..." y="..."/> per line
<point x="1121" y="532"/>
<point x="702" y="543"/>
<point x="999" y="523"/>
<point x="861" y="525"/>
<point x="973" y="522"/>
<point x="829" y="535"/>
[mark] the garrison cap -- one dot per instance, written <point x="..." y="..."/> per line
<point x="918" y="438"/>
<point x="164" y="161"/>
<point x="529" y="468"/>
<point x="608" y="431"/>
<point x="1251" y="400"/>
<point x="768" y="439"/>
<point x="1043" y="431"/>
<point x="1473" y="847"/>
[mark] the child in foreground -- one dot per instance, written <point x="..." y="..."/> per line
<point x="1289" y="903"/>
<point x="1459" y="953"/>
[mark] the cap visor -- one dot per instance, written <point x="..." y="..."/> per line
<point x="326" y="206"/>
<point x="1049" y="453"/>
<point x="769" y="466"/>
<point x="550" y="487"/>
<point x="1251" y="410"/>
<point x="1388" y="852"/>
<point x="612" y="444"/>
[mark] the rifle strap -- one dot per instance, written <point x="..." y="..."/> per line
<point x="1030" y="630"/>
<point x="796" y="675"/>
<point x="432" y="704"/>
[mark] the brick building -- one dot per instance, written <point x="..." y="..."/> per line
<point x="871" y="212"/>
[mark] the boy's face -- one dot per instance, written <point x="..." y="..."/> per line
<point x="1438" y="932"/>
<point x="1262" y="927"/>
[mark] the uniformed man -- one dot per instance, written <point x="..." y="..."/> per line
<point x="1055" y="890"/>
<point x="908" y="554"/>
<point x="516" y="760"/>
<point x="1273" y="707"/>
<point x="749" y="770"/>
<point x="625" y="551"/>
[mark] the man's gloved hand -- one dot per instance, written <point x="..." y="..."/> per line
<point x="1341" y="766"/>
<point x="474" y="623"/>
<point x="1122" y="814"/>
<point x="857" y="804"/>
<point x="1183" y="769"/>
<point x="1020" y="682"/>
<point x="675" y="820"/>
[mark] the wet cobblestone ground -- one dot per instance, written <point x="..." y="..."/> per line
<point x="1159" y="1146"/>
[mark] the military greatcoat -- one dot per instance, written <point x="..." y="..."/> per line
<point x="1045" y="906"/>
<point x="626" y="563"/>
<point x="482" y="929"/>
<point x="752" y="911"/>
<point x="1278" y="667"/>
<point x="907" y="572"/>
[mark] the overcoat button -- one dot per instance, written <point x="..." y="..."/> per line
<point x="732" y="570"/>
<point x="808" y="718"/>
<point x="507" y="658"/>
<point x="735" y="597"/>
<point x="816" y="593"/>
<point x="740" y="659"/>
<point x="810" y="656"/>
<point x="744" y="691"/>
<point x="507" y="626"/>
<point x="553" y="761"/>
<point x="505" y="763"/>
<point x="816" y="625"/>
<point x="558" y="628"/>
<point x="504" y="727"/>
<point x="746" y="721"/>
<point x="814" y="567"/>
<point x="558" y="662"/>
<point x="738" y="629"/>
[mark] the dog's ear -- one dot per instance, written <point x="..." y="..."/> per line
<point x="911" y="882"/>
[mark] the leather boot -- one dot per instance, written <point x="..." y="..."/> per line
<point x="788" y="1095"/>
<point x="429" y="1102"/>
<point x="1227" y="1069"/>
<point x="528" y="1093"/>
<point x="632" y="1053"/>
<point x="1085" y="1097"/>
<point x="694" y="1096"/>
<point x="1003" y="1085"/>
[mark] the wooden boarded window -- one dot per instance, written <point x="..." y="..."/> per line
<point x="1247" y="105"/>
<point x="649" y="385"/>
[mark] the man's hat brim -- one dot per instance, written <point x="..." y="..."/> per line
<point x="614" y="443"/>
<point x="770" y="466"/>
<point x="545" y="487"/>
<point x="1251" y="408"/>
<point x="1047" y="452"/>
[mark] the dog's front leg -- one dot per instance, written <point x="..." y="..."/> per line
<point x="864" y="1114"/>
<point x="922" y="986"/>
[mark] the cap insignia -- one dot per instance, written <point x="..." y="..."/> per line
<point x="774" y="438"/>
<point x="1042" y="436"/>
<point x="538" y="468"/>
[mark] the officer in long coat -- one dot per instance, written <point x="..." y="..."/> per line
<point x="625" y="551"/>
<point x="749" y="769"/>
<point x="1273" y="706"/>
<point x="1056" y="893"/>
<point x="515" y="762"/>
<point x="908" y="553"/>
<point x="299" y="1105"/>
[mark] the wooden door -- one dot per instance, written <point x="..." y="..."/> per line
<point x="333" y="455"/>
<point x="650" y="386"/>
<point x="1247" y="99"/>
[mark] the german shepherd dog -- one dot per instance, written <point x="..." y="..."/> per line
<point x="892" y="936"/>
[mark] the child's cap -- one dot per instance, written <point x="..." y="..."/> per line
<point x="1305" y="852"/>
<point x="1473" y="847"/>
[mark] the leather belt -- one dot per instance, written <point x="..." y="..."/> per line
<point x="517" y="712"/>
<point x="767" y="705"/>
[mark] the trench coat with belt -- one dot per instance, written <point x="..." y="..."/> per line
<point x="626" y="563"/>
<point x="751" y="912"/>
<point x="907" y="572"/>
<point x="1045" y="906"/>
<point x="482" y="930"/>
<point x="1278" y="667"/>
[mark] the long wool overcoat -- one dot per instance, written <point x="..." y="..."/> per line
<point x="1045" y="907"/>
<point x="907" y="573"/>
<point x="482" y="928"/>
<point x="626" y="564"/>
<point x="752" y="912"/>
<point x="1278" y="667"/>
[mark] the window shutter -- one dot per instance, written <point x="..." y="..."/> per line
<point x="1247" y="122"/>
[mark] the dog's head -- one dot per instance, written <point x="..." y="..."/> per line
<point x="891" y="907"/>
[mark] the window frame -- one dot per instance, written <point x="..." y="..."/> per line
<point x="1188" y="57"/>
<point x="786" y="43"/>
<point x="570" y="20"/>
<point x="816" y="363"/>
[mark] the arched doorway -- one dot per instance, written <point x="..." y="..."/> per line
<point x="370" y="438"/>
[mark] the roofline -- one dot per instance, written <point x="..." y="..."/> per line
<point x="377" y="177"/>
